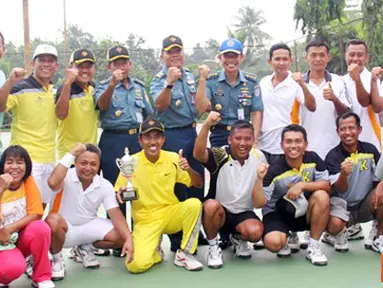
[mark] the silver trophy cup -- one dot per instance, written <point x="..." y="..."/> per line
<point x="127" y="166"/>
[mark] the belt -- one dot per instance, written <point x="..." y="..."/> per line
<point x="192" y="125"/>
<point x="122" y="131"/>
<point x="221" y="127"/>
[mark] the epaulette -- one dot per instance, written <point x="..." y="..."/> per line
<point x="138" y="81"/>
<point x="159" y="74"/>
<point x="250" y="77"/>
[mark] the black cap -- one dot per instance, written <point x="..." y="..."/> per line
<point x="82" y="55"/>
<point x="170" y="42"/>
<point x="151" y="124"/>
<point x="117" y="52"/>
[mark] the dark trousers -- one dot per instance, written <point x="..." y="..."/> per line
<point x="113" y="146"/>
<point x="176" y="139"/>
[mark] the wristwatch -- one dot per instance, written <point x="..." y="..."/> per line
<point x="168" y="85"/>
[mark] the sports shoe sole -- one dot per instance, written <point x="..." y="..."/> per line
<point x="181" y="265"/>
<point x="368" y="246"/>
<point x="283" y="256"/>
<point x="304" y="246"/>
<point x="59" y="278"/>
<point x="341" y="250"/>
<point x="215" y="266"/>
<point x="353" y="238"/>
<point x="92" y="266"/>
<point x="316" y="263"/>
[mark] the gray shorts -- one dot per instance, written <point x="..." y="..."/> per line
<point x="360" y="213"/>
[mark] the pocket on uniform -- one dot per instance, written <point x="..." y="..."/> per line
<point x="118" y="102"/>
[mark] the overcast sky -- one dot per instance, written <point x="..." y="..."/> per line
<point x="197" y="21"/>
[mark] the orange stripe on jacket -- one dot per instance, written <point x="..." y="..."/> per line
<point x="375" y="125"/>
<point x="294" y="115"/>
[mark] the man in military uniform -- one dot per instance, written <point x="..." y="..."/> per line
<point x="235" y="94"/>
<point x="124" y="104"/>
<point x="173" y="91"/>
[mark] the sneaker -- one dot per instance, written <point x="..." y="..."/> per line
<point x="214" y="257"/>
<point x="117" y="253"/>
<point x="259" y="245"/>
<point x="305" y="241"/>
<point x="29" y="270"/>
<point x="341" y="242"/>
<point x="102" y="252"/>
<point x="377" y="244"/>
<point x="85" y="252"/>
<point x="73" y="254"/>
<point x="44" y="284"/>
<point x="315" y="255"/>
<point x="224" y="242"/>
<point x="241" y="248"/>
<point x="58" y="269"/>
<point x="355" y="232"/>
<point x="328" y="239"/>
<point x="293" y="242"/>
<point x="284" y="252"/>
<point x="371" y="235"/>
<point x="187" y="260"/>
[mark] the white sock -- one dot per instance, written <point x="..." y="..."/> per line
<point x="213" y="242"/>
<point x="312" y="241"/>
<point x="57" y="257"/>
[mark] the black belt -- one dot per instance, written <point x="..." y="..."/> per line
<point x="192" y="125"/>
<point x="221" y="127"/>
<point x="122" y="131"/>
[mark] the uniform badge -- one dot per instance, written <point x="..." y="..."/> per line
<point x="218" y="107"/>
<point x="118" y="113"/>
<point x="219" y="92"/>
<point x="257" y="91"/>
<point x="178" y="103"/>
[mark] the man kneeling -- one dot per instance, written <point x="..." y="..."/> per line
<point x="298" y="186"/>
<point x="74" y="223"/>
<point x="157" y="210"/>
<point x="236" y="188"/>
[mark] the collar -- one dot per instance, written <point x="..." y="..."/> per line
<point x="347" y="153"/>
<point x="75" y="88"/>
<point x="145" y="161"/>
<point x="285" y="81"/>
<point x="36" y="84"/>
<point x="222" y="76"/>
<point x="231" y="156"/>
<point x="327" y="76"/>
<point x="131" y="84"/>
<point x="95" y="183"/>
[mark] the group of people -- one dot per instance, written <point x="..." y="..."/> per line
<point x="304" y="148"/>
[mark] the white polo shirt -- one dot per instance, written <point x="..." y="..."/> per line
<point x="78" y="206"/>
<point x="369" y="120"/>
<point x="281" y="105"/>
<point x="320" y="124"/>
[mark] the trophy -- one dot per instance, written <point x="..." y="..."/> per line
<point x="127" y="165"/>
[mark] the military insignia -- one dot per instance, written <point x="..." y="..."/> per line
<point x="257" y="91"/>
<point x="218" y="107"/>
<point x="230" y="43"/>
<point x="172" y="39"/>
<point x="178" y="103"/>
<point x="118" y="113"/>
<point x="219" y="92"/>
<point x="119" y="49"/>
<point x="190" y="82"/>
<point x="84" y="53"/>
<point x="151" y="122"/>
<point x="138" y="93"/>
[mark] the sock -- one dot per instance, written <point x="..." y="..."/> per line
<point x="312" y="241"/>
<point x="213" y="242"/>
<point x="57" y="257"/>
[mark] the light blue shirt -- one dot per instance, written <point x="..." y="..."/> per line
<point x="227" y="99"/>
<point x="127" y="107"/>
<point x="181" y="111"/>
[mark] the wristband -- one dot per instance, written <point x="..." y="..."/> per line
<point x="67" y="160"/>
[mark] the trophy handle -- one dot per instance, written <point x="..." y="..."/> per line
<point x="118" y="163"/>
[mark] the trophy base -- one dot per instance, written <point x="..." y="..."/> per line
<point x="129" y="196"/>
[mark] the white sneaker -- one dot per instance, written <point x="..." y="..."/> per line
<point x="29" y="270"/>
<point x="293" y="242"/>
<point x="284" y="252"/>
<point x="58" y="269"/>
<point x="341" y="242"/>
<point x="187" y="260"/>
<point x="328" y="239"/>
<point x="214" y="257"/>
<point x="85" y="253"/>
<point x="315" y="255"/>
<point x="305" y="240"/>
<point x="44" y="284"/>
<point x="377" y="244"/>
<point x="259" y="245"/>
<point x="372" y="235"/>
<point x="355" y="232"/>
<point x="241" y="248"/>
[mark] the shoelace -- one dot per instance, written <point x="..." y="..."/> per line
<point x="87" y="254"/>
<point x="215" y="253"/>
<point x="243" y="246"/>
<point x="341" y="239"/>
<point x="293" y="239"/>
<point x="316" y="250"/>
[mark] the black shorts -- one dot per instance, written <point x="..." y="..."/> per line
<point x="275" y="222"/>
<point x="232" y="220"/>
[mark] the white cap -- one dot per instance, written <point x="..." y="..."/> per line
<point x="300" y="204"/>
<point x="43" y="49"/>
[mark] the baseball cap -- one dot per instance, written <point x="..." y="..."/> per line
<point x="151" y="124"/>
<point x="172" y="41"/>
<point x="292" y="208"/>
<point x="231" y="45"/>
<point x="82" y="55"/>
<point x="117" y="52"/>
<point x="45" y="49"/>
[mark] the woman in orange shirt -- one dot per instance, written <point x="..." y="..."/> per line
<point x="22" y="232"/>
